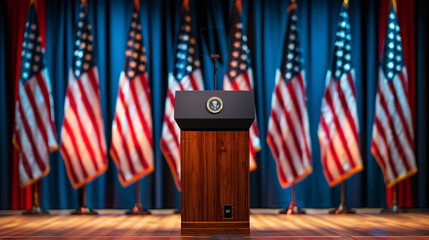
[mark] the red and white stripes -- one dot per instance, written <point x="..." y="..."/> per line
<point x="170" y="140"/>
<point x="34" y="133"/>
<point x="393" y="134"/>
<point x="132" y="144"/>
<point x="83" y="143"/>
<point x="288" y="130"/>
<point x="339" y="129"/>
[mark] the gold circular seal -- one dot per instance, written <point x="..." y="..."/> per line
<point x="214" y="105"/>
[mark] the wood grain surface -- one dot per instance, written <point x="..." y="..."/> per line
<point x="264" y="224"/>
<point x="215" y="172"/>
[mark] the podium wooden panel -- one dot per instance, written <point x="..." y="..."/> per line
<point x="215" y="172"/>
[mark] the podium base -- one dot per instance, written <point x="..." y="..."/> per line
<point x="35" y="210"/>
<point x="137" y="210"/>
<point x="293" y="209"/>
<point x="84" y="211"/>
<point x="342" y="209"/>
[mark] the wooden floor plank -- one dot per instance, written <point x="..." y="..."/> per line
<point x="113" y="224"/>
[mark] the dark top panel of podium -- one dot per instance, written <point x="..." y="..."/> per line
<point x="236" y="110"/>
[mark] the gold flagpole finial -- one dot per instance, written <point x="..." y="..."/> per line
<point x="185" y="4"/>
<point x="395" y="6"/>
<point x="33" y="1"/>
<point x="238" y="6"/>
<point x="346" y="3"/>
<point x="137" y="4"/>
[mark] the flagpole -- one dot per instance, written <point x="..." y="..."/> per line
<point x="84" y="209"/>
<point x="36" y="209"/>
<point x="394" y="207"/>
<point x="293" y="209"/>
<point x="138" y="209"/>
<point x="342" y="208"/>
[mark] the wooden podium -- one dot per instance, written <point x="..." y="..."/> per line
<point x="215" y="160"/>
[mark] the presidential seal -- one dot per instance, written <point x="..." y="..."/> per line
<point x="214" y="105"/>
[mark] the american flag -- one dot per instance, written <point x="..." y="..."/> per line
<point x="34" y="134"/>
<point x="186" y="76"/>
<point x="239" y="74"/>
<point x="83" y="144"/>
<point x="393" y="132"/>
<point x="288" y="130"/>
<point x="339" y="127"/>
<point x="132" y="143"/>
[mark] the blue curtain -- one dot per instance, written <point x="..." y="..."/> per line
<point x="265" y="22"/>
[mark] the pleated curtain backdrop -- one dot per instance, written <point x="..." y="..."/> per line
<point x="265" y="24"/>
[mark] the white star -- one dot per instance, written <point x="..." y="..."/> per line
<point x="78" y="63"/>
<point x="348" y="57"/>
<point x="392" y="26"/>
<point x="131" y="73"/>
<point x="234" y="64"/>
<point x="80" y="24"/>
<point x="244" y="57"/>
<point x="237" y="35"/>
<point x="36" y="58"/>
<point x="232" y="73"/>
<point x="235" y="54"/>
<point x="35" y="68"/>
<point x="189" y="68"/>
<point x="135" y="55"/>
<point x="77" y="72"/>
<point x="390" y="65"/>
<point x="347" y="66"/>
<point x="288" y="75"/>
<point x="33" y="26"/>
<point x="89" y="47"/>
<point x="141" y="67"/>
<point x="398" y="68"/>
<point x="133" y="64"/>
<point x="197" y="63"/>
<point x="398" y="58"/>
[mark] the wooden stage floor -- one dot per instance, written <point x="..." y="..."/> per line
<point x="264" y="224"/>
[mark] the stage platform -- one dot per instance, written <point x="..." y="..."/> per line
<point x="264" y="224"/>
